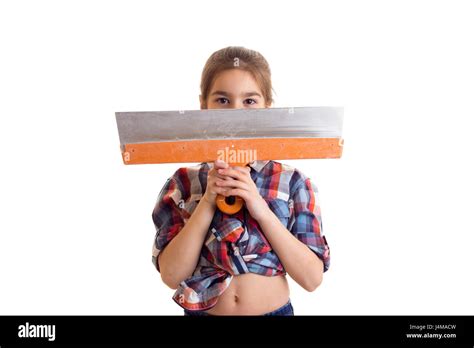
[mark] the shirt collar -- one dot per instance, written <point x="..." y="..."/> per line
<point x="258" y="165"/>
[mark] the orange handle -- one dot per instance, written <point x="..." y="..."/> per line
<point x="231" y="204"/>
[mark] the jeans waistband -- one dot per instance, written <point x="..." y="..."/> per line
<point x="286" y="309"/>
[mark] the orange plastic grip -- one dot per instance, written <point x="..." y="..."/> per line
<point x="231" y="204"/>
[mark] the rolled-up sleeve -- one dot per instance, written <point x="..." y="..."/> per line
<point x="308" y="226"/>
<point x="167" y="218"/>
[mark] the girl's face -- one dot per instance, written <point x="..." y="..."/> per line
<point x="235" y="89"/>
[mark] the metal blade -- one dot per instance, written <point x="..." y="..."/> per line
<point x="293" y="122"/>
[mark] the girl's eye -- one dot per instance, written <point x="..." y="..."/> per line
<point x="250" y="101"/>
<point x="222" y="100"/>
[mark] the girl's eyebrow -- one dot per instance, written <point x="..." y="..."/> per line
<point x="220" y="93"/>
<point x="248" y="94"/>
<point x="251" y="94"/>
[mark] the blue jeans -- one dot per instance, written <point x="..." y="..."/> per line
<point x="286" y="309"/>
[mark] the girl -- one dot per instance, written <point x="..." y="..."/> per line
<point x="223" y="264"/>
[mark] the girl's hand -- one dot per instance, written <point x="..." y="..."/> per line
<point x="238" y="182"/>
<point x="211" y="189"/>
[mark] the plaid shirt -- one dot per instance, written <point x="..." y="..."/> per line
<point x="235" y="244"/>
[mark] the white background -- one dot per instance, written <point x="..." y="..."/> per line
<point x="76" y="229"/>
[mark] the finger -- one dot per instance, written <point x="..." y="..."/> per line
<point x="245" y="170"/>
<point x="221" y="191"/>
<point x="213" y="172"/>
<point x="237" y="192"/>
<point x="220" y="164"/>
<point x="227" y="177"/>
<point x="232" y="184"/>
<point x="236" y="174"/>
<point x="220" y="176"/>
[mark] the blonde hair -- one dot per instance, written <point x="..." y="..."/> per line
<point x="236" y="57"/>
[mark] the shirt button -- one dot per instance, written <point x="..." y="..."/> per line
<point x="236" y="250"/>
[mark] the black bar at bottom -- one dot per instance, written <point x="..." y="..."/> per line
<point x="292" y="330"/>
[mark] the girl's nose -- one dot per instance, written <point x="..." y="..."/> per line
<point x="236" y="105"/>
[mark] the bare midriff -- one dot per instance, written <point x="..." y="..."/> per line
<point x="252" y="294"/>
